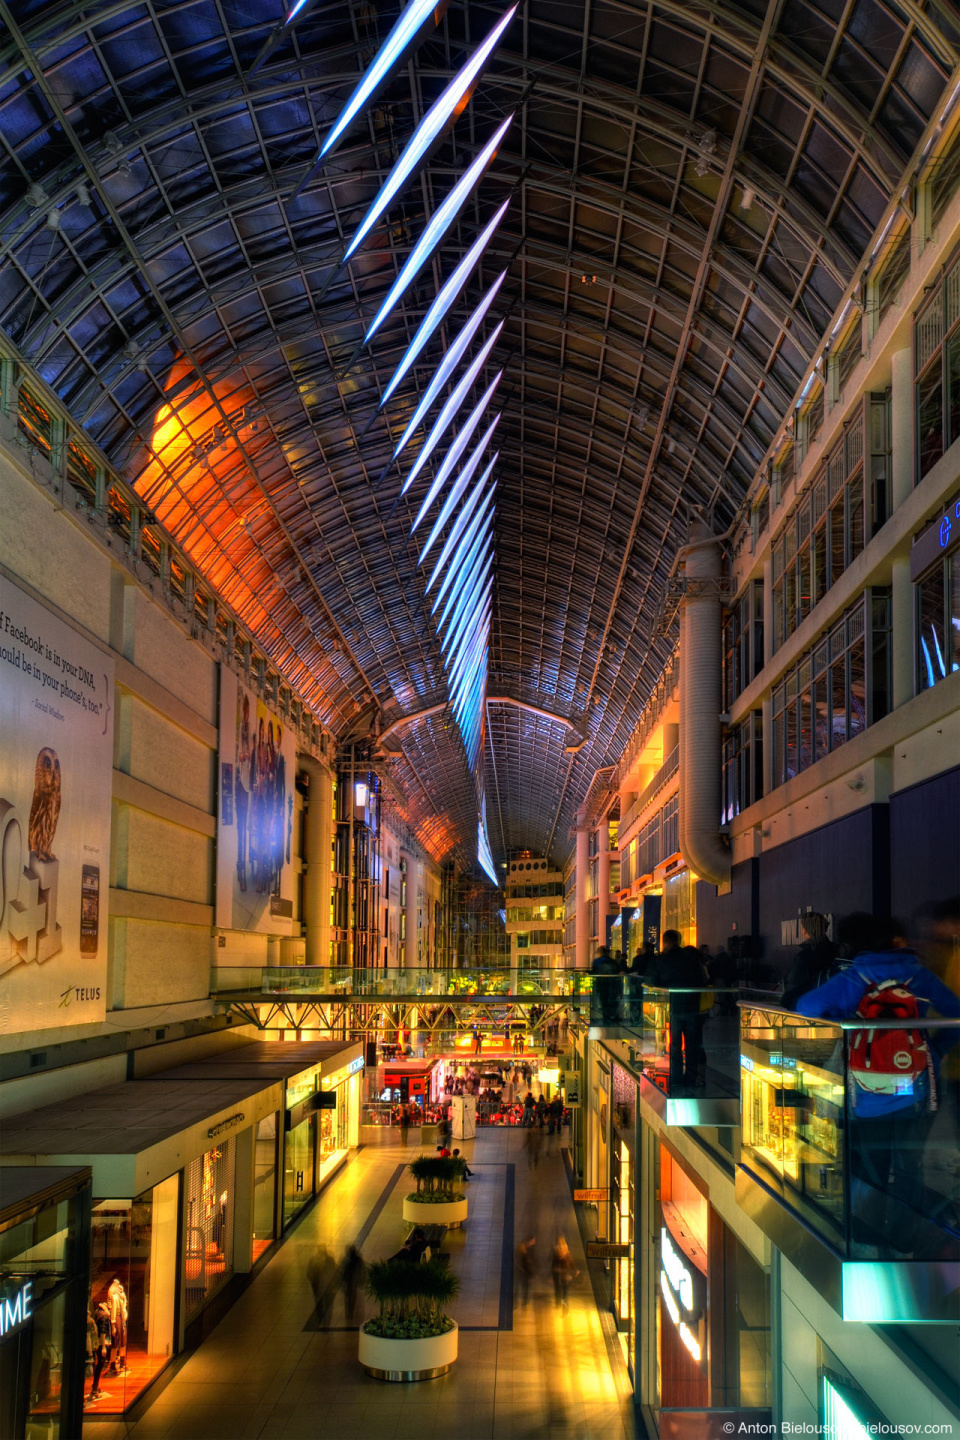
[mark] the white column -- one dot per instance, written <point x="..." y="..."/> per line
<point x="318" y="876"/>
<point x="902" y="460"/>
<point x="902" y="628"/>
<point x="583" y="908"/>
<point x="603" y="882"/>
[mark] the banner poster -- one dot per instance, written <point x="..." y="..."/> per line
<point x="56" y="779"/>
<point x="258" y="758"/>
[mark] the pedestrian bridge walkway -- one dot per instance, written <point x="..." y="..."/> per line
<point x="275" y="1369"/>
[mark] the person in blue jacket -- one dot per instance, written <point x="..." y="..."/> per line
<point x="889" y="1124"/>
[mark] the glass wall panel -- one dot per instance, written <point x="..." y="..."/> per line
<point x="209" y="1224"/>
<point x="133" y="1273"/>
<point x="298" y="1167"/>
<point x="264" y="1185"/>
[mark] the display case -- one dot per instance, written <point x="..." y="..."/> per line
<point x="792" y="1105"/>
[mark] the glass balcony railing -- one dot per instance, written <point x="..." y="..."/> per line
<point x="869" y="1158"/>
<point x="524" y="983"/>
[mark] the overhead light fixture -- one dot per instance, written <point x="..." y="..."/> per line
<point x="437" y="227"/>
<point x="458" y="545"/>
<point x="476" y="530"/>
<point x="449" y="292"/>
<point x="388" y="57"/>
<point x="450" y="409"/>
<point x="450" y="361"/>
<point x="450" y="503"/>
<point x="457" y="449"/>
<point x="431" y="129"/>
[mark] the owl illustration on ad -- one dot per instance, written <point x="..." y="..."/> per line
<point x="45" y="807"/>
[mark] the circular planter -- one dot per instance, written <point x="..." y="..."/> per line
<point x="451" y="1213"/>
<point x="408" y="1359"/>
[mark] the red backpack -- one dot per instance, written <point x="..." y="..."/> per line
<point x="888" y="1062"/>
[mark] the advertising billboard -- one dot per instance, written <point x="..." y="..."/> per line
<point x="56" y="777"/>
<point x="258" y="757"/>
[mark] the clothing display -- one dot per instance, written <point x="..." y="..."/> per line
<point x="117" y="1310"/>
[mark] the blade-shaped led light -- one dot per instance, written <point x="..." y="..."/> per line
<point x="450" y="290"/>
<point x="453" y="541"/>
<point x="457" y="449"/>
<point x="387" y="56"/>
<point x="437" y="227"/>
<point x="459" y="602"/>
<point x="464" y="601"/>
<point x="450" y="361"/>
<point x="474" y="653"/>
<point x="450" y="504"/>
<point x="481" y="522"/>
<point x="461" y="573"/>
<point x="451" y="407"/>
<point x="474" y="635"/>
<point x="430" y="129"/>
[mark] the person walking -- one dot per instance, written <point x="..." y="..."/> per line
<point x="526" y="1267"/>
<point x="404" y="1125"/>
<point x="533" y="1144"/>
<point x="892" y="1079"/>
<point x="351" y="1277"/>
<point x="607" y="987"/>
<point x="564" y="1274"/>
<point x="679" y="968"/>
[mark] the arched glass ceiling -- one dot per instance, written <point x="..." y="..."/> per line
<point x="691" y="186"/>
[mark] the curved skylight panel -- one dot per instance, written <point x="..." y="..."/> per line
<point x="430" y="130"/>
<point x="437" y="227"/>
<point x="481" y="522"/>
<point x="388" y="56"/>
<point x="451" y="407"/>
<point x="451" y="360"/>
<point x="457" y="449"/>
<point x="449" y="505"/>
<point x="448" y="293"/>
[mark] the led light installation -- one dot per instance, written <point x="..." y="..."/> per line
<point x="464" y="516"/>
<point x="464" y="601"/>
<point x="463" y="547"/>
<point x="450" y="361"/>
<point x="456" y="450"/>
<point x="471" y="575"/>
<point x="388" y="57"/>
<point x="449" y="411"/>
<point x="448" y="293"/>
<point x="437" y="227"/>
<point x="431" y="129"/>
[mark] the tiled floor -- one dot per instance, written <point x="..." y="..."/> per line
<point x="263" y="1376"/>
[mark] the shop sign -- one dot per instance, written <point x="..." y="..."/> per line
<point x="590" y="1197"/>
<point x="677" y="1286"/>
<point x="607" y="1250"/>
<point x="939" y="536"/>
<point x="225" y="1125"/>
<point x="11" y="1316"/>
<point x="355" y="1065"/>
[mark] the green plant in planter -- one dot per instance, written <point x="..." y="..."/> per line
<point x="410" y="1299"/>
<point x="439" y="1178"/>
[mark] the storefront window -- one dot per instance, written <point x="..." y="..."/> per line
<point x="298" y="1167"/>
<point x="209" y="1224"/>
<point x="679" y="907"/>
<point x="264" y="1185"/>
<point x="37" y="1259"/>
<point x="133" y="1270"/>
<point x="938" y="622"/>
<point x="681" y="1269"/>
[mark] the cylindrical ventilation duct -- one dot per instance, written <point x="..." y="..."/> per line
<point x="701" y="843"/>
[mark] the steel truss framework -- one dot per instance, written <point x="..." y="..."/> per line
<point x="341" y="1017"/>
<point x="692" y="187"/>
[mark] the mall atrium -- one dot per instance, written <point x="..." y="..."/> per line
<point x="480" y="631"/>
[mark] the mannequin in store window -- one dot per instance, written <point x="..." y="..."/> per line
<point x="117" y="1307"/>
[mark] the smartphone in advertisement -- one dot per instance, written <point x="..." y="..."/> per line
<point x="90" y="910"/>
